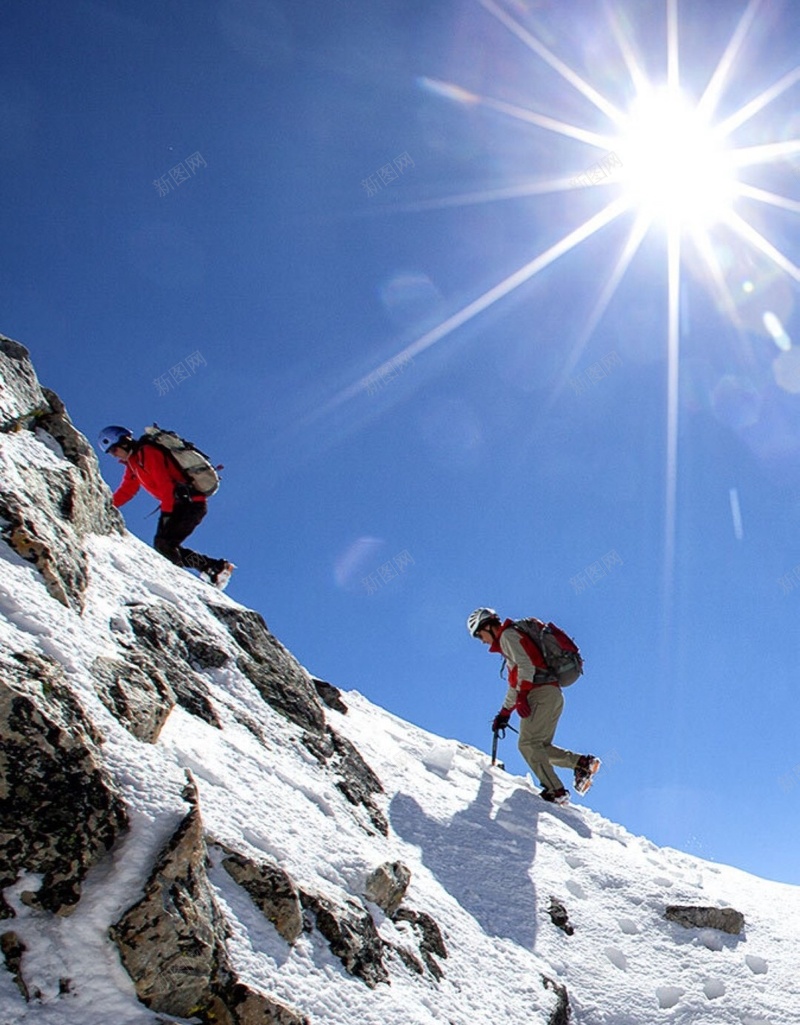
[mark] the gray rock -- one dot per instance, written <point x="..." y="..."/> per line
<point x="273" y="671"/>
<point x="692" y="917"/>
<point x="272" y="891"/>
<point x="59" y="810"/>
<point x="12" y="949"/>
<point x="387" y="884"/>
<point x="351" y="935"/>
<point x="330" y="695"/>
<point x="172" y="942"/>
<point x="48" y="511"/>
<point x="562" y="1012"/>
<point x="170" y="644"/>
<point x="356" y="780"/>
<point x="135" y="692"/>
<point x="431" y="942"/>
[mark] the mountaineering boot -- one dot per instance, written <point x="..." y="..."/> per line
<point x="560" y="796"/>
<point x="220" y="575"/>
<point x="584" y="772"/>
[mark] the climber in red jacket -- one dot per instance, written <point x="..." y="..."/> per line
<point x="151" y="467"/>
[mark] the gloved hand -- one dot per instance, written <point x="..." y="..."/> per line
<point x="500" y="721"/>
<point x="522" y="707"/>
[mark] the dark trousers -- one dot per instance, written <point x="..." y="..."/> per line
<point x="175" y="527"/>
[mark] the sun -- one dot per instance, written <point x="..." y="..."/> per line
<point x="674" y="168"/>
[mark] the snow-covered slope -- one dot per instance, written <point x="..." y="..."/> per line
<point x="485" y="854"/>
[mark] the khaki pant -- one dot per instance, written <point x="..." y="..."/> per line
<point x="536" y="734"/>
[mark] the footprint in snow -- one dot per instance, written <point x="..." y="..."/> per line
<point x="617" y="958"/>
<point x="757" y="965"/>
<point x="628" y="926"/>
<point x="714" y="988"/>
<point x="575" y="889"/>
<point x="668" y="996"/>
<point x="572" y="861"/>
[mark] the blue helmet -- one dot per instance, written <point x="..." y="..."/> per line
<point x="112" y="435"/>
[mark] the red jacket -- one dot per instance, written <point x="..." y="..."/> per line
<point x="523" y="658"/>
<point x="154" y="470"/>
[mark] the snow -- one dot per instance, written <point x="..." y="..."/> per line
<point x="485" y="853"/>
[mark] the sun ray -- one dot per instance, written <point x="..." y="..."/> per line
<point x="749" y="156"/>
<point x="750" y="109"/>
<point x="554" y="185"/>
<point x="673" y="363"/>
<point x="461" y="95"/>
<point x="635" y="238"/>
<point x="702" y="242"/>
<point x="550" y="58"/>
<point x="673" y="61"/>
<point x="589" y="227"/>
<point x="746" y="231"/>
<point x="771" y="198"/>
<point x="638" y="77"/>
<point x="711" y="97"/>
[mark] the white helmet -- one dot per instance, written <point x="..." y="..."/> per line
<point x="477" y="619"/>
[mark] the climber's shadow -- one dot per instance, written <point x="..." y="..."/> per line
<point x="485" y="863"/>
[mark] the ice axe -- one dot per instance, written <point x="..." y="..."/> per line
<point x="495" y="735"/>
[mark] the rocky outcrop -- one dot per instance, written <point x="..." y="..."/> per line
<point x="692" y="917"/>
<point x="53" y="495"/>
<point x="288" y="689"/>
<point x="170" y="644"/>
<point x="59" y="810"/>
<point x="331" y="696"/>
<point x="12" y="949"/>
<point x="271" y="890"/>
<point x="562" y="1012"/>
<point x="136" y="693"/>
<point x="387" y="884"/>
<point x="172" y="941"/>
<point x="351" y="935"/>
<point x="429" y="938"/>
<point x="273" y="671"/>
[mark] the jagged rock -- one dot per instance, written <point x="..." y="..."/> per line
<point x="172" y="942"/>
<point x="136" y="693"/>
<point x="274" y="672"/>
<point x="351" y="935"/>
<point x="53" y="495"/>
<point x="562" y="1012"/>
<point x="431" y="942"/>
<point x="272" y="891"/>
<point x="59" y="810"/>
<point x="559" y="916"/>
<point x="174" y="643"/>
<point x="387" y="884"/>
<point x="357" y="781"/>
<point x="12" y="949"/>
<point x="690" y="917"/>
<point x="330" y="695"/>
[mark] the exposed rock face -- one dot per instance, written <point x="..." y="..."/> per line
<point x="431" y="942"/>
<point x="53" y="496"/>
<point x="562" y="1012"/>
<point x="12" y="949"/>
<point x="387" y="886"/>
<point x="172" y="942"/>
<point x="287" y="688"/>
<point x="352" y="936"/>
<point x="272" y="891"/>
<point x="136" y="693"/>
<point x="331" y="696"/>
<point x="272" y="670"/>
<point x="59" y="810"/>
<point x="170" y="644"/>
<point x="691" y="917"/>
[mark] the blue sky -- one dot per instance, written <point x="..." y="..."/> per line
<point x="247" y="220"/>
